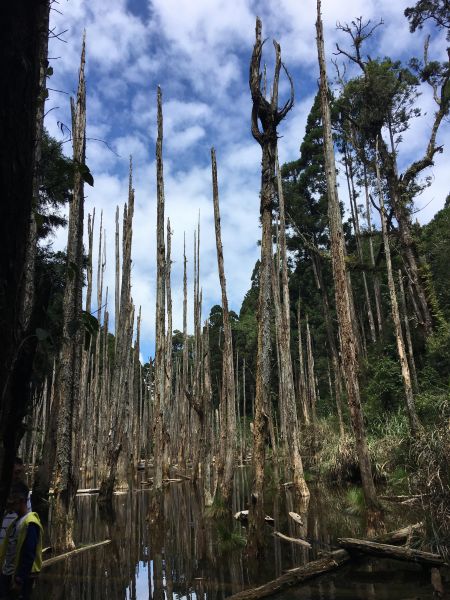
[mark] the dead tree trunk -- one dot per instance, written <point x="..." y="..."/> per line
<point x="302" y="372"/>
<point x="168" y="359"/>
<point x="286" y="372"/>
<point x="121" y="368"/>
<point x="412" y="363"/>
<point x="68" y="381"/>
<point x="160" y="305"/>
<point x="414" y="422"/>
<point x="343" y="308"/>
<point x="268" y="115"/>
<point x="336" y="363"/>
<point x="228" y="397"/>
<point x="91" y="223"/>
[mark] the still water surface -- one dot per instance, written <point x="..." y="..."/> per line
<point x="187" y="555"/>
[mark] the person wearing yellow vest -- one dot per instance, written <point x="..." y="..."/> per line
<point x="21" y="550"/>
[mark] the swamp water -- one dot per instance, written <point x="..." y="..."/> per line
<point x="189" y="555"/>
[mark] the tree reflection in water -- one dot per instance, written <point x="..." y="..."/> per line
<point x="185" y="554"/>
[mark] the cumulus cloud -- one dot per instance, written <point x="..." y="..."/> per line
<point x="199" y="53"/>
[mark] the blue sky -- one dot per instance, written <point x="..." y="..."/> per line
<point x="199" y="51"/>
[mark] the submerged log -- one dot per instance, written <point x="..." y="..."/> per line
<point x="286" y="538"/>
<point x="390" y="551"/>
<point x="55" y="559"/>
<point x="295" y="576"/>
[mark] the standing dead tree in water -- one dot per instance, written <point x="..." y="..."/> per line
<point x="341" y="285"/>
<point x="267" y="115"/>
<point x="68" y="380"/>
<point x="123" y="356"/>
<point x="283" y="317"/>
<point x="160" y="306"/>
<point x="228" y="395"/>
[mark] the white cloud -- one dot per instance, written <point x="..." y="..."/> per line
<point x="199" y="53"/>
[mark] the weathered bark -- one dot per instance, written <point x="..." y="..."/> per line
<point x="160" y="305"/>
<point x="283" y="320"/>
<point x="302" y="375"/>
<point x="23" y="44"/>
<point x="414" y="422"/>
<point x="120" y="380"/>
<point x="168" y="358"/>
<point x="343" y="308"/>
<point x="311" y="376"/>
<point x="68" y="381"/>
<point x="267" y="115"/>
<point x="335" y="361"/>
<point x="91" y="223"/>
<point x="228" y="396"/>
<point x="412" y="363"/>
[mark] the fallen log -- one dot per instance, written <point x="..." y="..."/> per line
<point x="54" y="559"/>
<point x="297" y="518"/>
<point x="390" y="551"/>
<point x="286" y="538"/>
<point x="295" y="576"/>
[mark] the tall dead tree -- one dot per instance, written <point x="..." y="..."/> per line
<point x="283" y="319"/>
<point x="23" y="43"/>
<point x="343" y="301"/>
<point x="228" y="396"/>
<point x="160" y="304"/>
<point x="414" y="422"/>
<point x="120" y="373"/>
<point x="168" y="358"/>
<point x="264" y="121"/>
<point x="91" y="223"/>
<point x="68" y="380"/>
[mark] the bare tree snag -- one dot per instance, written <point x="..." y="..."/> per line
<point x="264" y="121"/>
<point x="160" y="304"/>
<point x="120" y="377"/>
<point x="228" y="397"/>
<point x="91" y="223"/>
<point x="68" y="381"/>
<point x="286" y="371"/>
<point x="343" y="302"/>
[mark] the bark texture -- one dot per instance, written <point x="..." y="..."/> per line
<point x="343" y="301"/>
<point x="68" y="381"/>
<point x="265" y="118"/>
<point x="228" y="396"/>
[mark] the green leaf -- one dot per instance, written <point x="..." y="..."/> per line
<point x="49" y="71"/>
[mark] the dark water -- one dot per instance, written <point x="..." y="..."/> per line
<point x="186" y="554"/>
